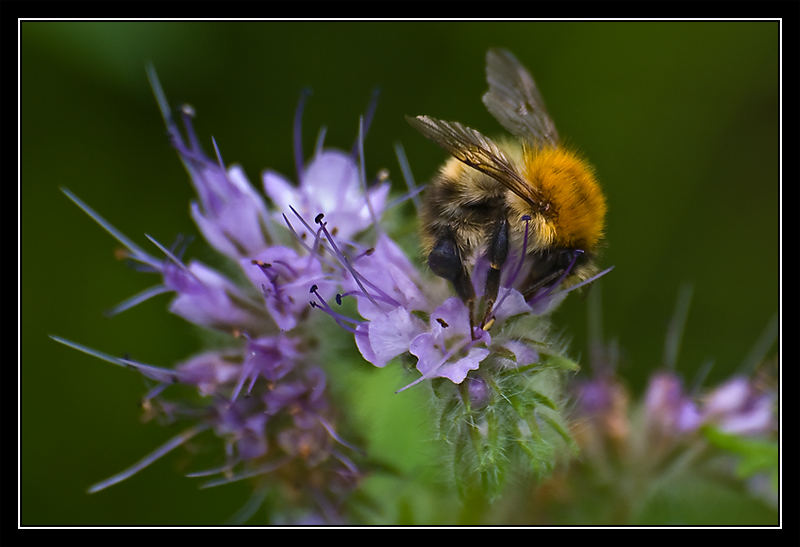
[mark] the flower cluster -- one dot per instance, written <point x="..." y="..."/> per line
<point x="265" y="395"/>
<point x="637" y="451"/>
<point x="320" y="246"/>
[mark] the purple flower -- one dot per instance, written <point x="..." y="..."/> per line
<point x="738" y="407"/>
<point x="285" y="277"/>
<point x="381" y="279"/>
<point x="264" y="397"/>
<point x="230" y="214"/>
<point x="330" y="184"/>
<point x="668" y="408"/>
<point x="387" y="335"/>
<point x="209" y="299"/>
<point x="451" y="347"/>
<point x="391" y="301"/>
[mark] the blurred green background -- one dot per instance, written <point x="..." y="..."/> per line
<point x="681" y="120"/>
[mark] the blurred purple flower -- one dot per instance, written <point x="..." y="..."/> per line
<point x="737" y="406"/>
<point x="668" y="408"/>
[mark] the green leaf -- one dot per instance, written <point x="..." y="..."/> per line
<point x="561" y="362"/>
<point x="756" y="454"/>
<point x="542" y="399"/>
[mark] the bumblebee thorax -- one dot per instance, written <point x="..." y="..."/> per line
<point x="570" y="207"/>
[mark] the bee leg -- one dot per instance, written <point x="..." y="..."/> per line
<point x="445" y="261"/>
<point x="497" y="254"/>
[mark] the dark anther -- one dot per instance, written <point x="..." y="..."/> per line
<point x="442" y="322"/>
<point x="370" y="251"/>
<point x="318" y="218"/>
<point x="313" y="289"/>
<point x="525" y="217"/>
<point x="313" y="304"/>
<point x="338" y="298"/>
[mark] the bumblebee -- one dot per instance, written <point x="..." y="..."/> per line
<point x="523" y="192"/>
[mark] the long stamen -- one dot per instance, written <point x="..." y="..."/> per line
<point x="338" y="317"/>
<point x="357" y="276"/>
<point x="405" y="168"/>
<point x="412" y="194"/>
<point x="676" y="326"/>
<point x="220" y="163"/>
<point x="249" y="509"/>
<point x="170" y="255"/>
<point x="550" y="289"/>
<point x="170" y="445"/>
<point x="312" y="251"/>
<point x="348" y="463"/>
<point x="298" y="134"/>
<point x="346" y="263"/>
<point x="267" y="468"/>
<point x="760" y="347"/>
<point x="154" y="392"/>
<point x="368" y="115"/>
<point x="335" y="436"/>
<point x="174" y="259"/>
<point x="136" y="252"/>
<point x="226" y="468"/>
<point x="363" y="177"/>
<point x="320" y="140"/>
<point x="317" y="238"/>
<point x="155" y="373"/>
<point x="247" y="369"/>
<point x="314" y="248"/>
<point x="584" y="282"/>
<point x="137" y="299"/>
<point x="187" y="113"/>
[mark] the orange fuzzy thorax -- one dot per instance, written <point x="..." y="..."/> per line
<point x="574" y="204"/>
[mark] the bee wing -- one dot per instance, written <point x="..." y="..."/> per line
<point x="477" y="151"/>
<point x="514" y="100"/>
